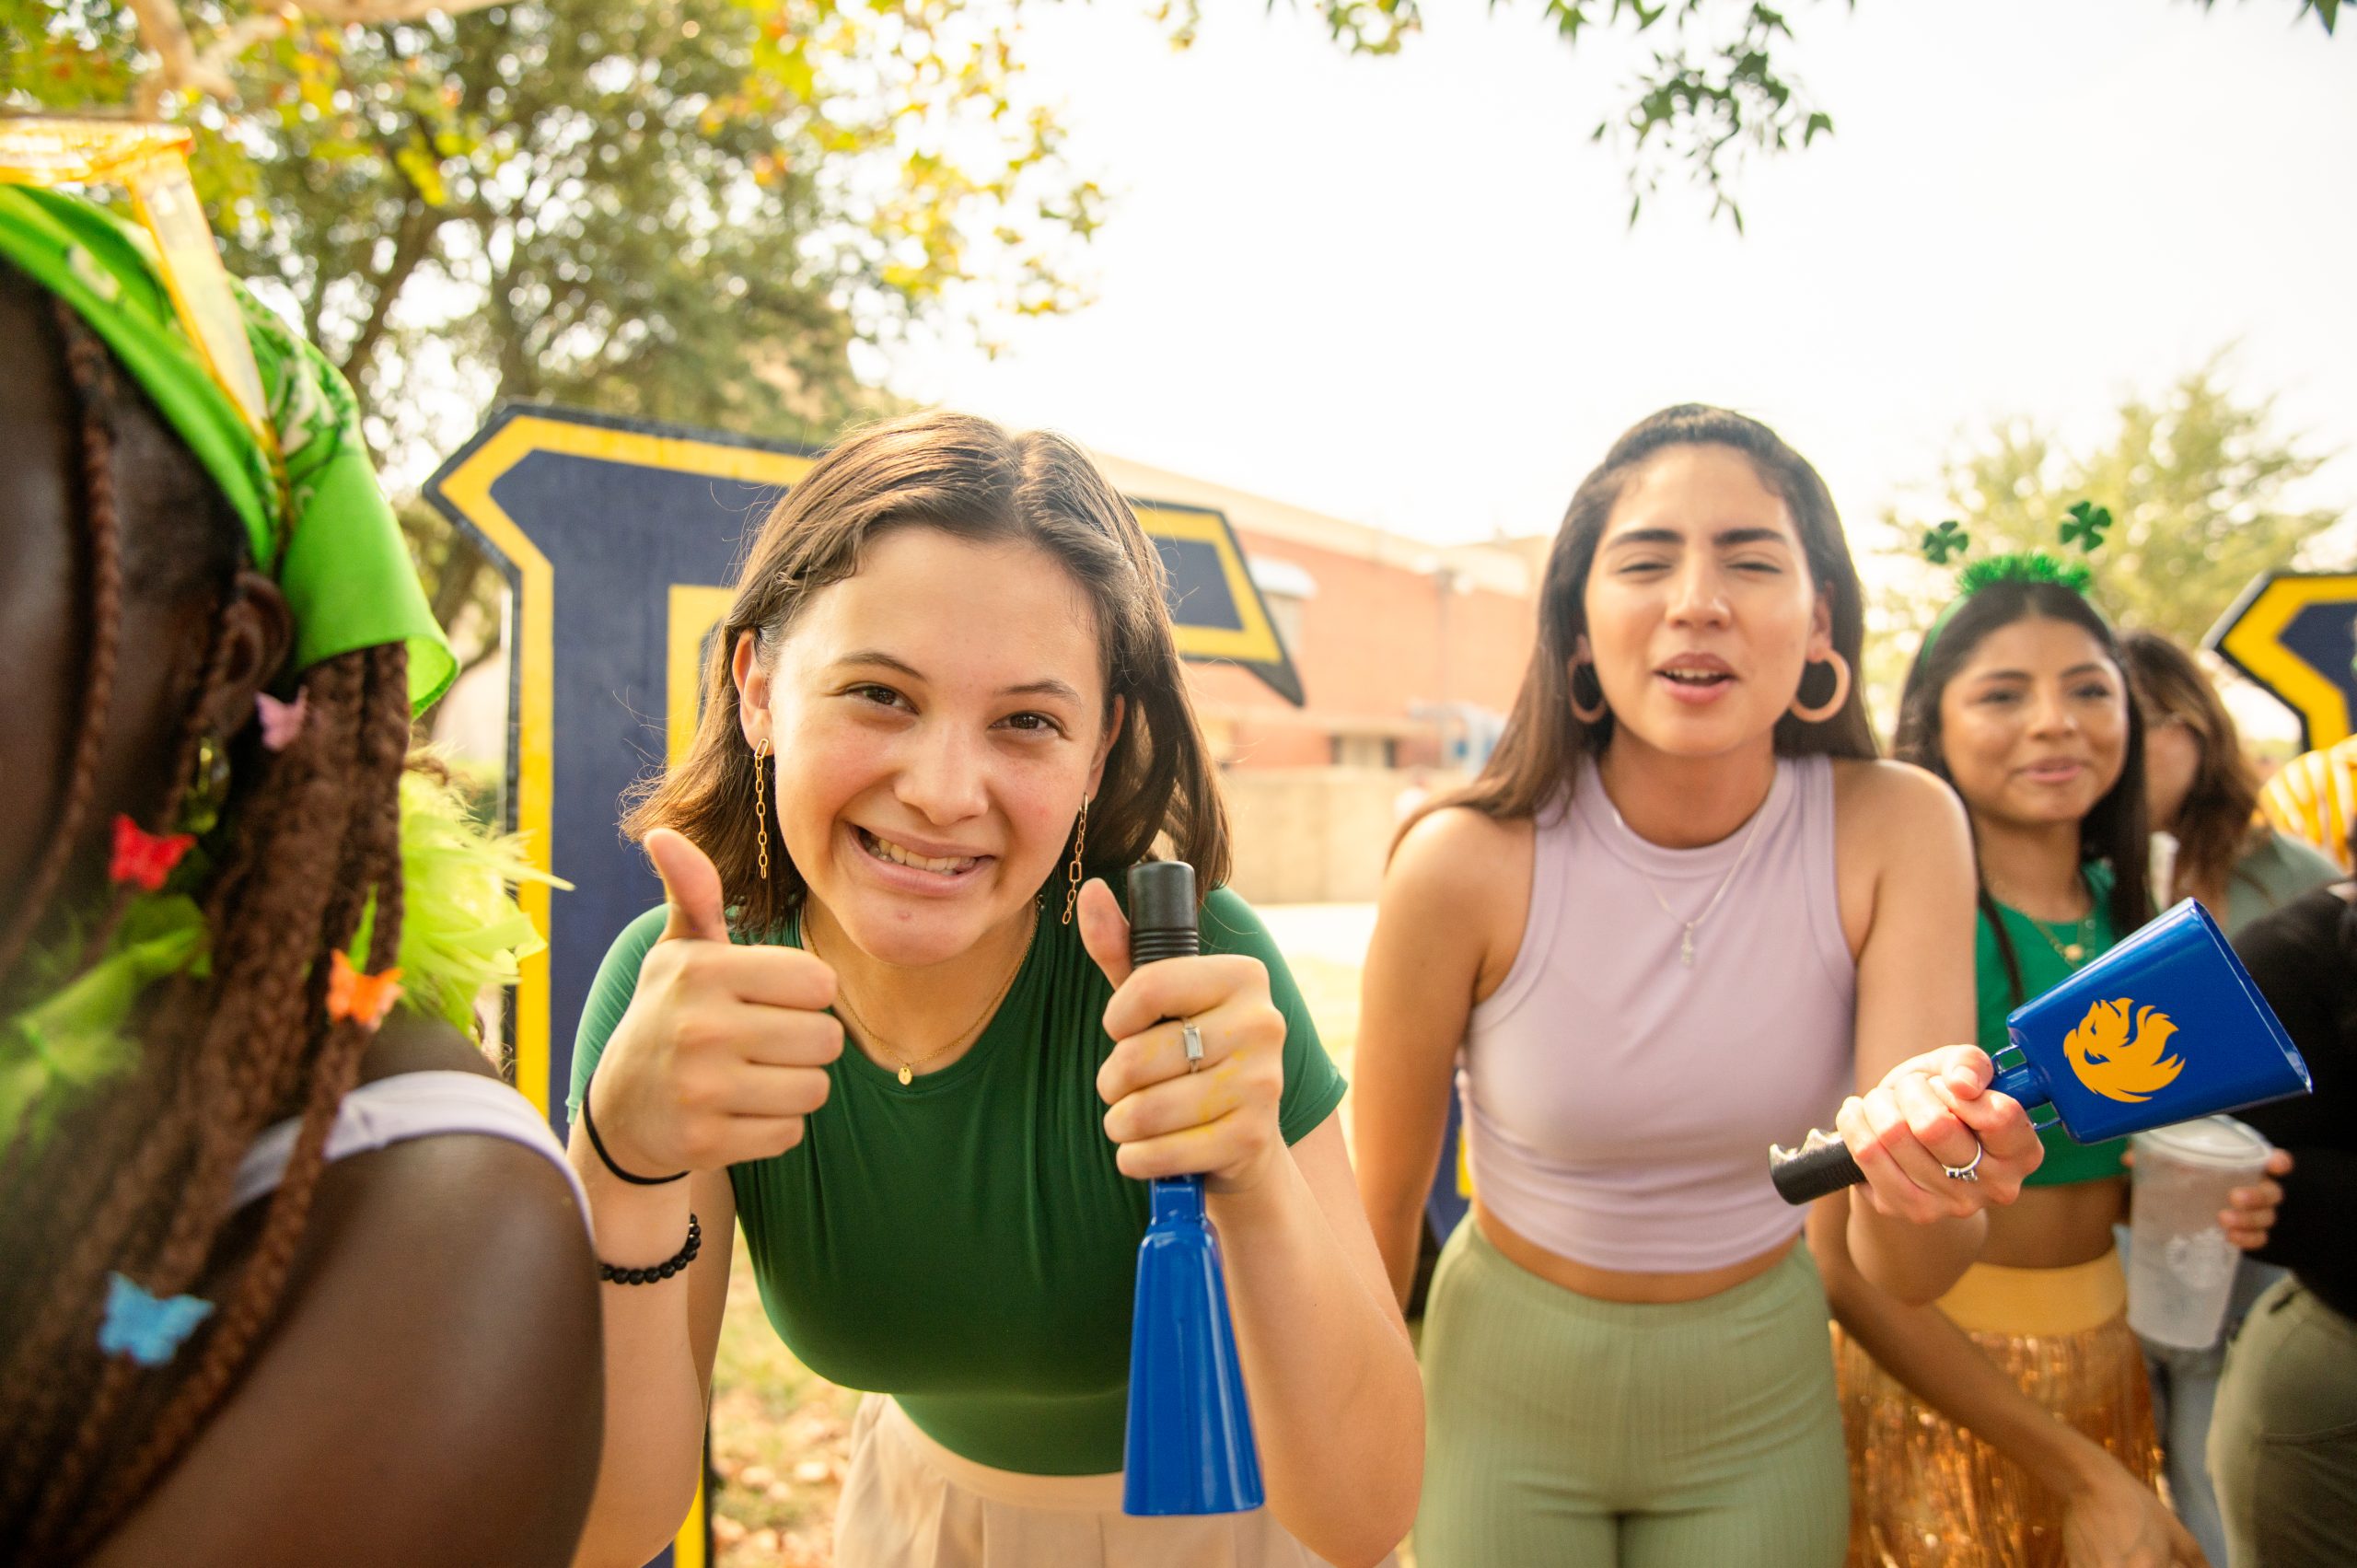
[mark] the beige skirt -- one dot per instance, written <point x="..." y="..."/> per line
<point x="909" y="1502"/>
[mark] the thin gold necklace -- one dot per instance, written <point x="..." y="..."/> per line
<point x="2071" y="953"/>
<point x="909" y="1064"/>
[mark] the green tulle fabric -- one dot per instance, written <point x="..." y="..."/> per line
<point x="2023" y="566"/>
<point x="461" y="933"/>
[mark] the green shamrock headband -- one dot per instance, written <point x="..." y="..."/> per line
<point x="2083" y="526"/>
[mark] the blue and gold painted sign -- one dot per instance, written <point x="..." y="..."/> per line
<point x="2295" y="635"/>
<point x="615" y="537"/>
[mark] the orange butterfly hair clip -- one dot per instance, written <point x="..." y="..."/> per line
<point x="364" y="997"/>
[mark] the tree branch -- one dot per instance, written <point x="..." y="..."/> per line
<point x="410" y="248"/>
<point x="180" y="68"/>
<point x="166" y="31"/>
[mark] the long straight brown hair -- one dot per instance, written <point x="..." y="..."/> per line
<point x="974" y="480"/>
<point x="2217" y="823"/>
<point x="1538" y="756"/>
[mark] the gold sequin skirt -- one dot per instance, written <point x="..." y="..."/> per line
<point x="1924" y="1493"/>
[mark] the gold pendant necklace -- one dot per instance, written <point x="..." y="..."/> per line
<point x="907" y="1073"/>
<point x="2072" y="953"/>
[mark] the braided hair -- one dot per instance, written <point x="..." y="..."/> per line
<point x="136" y="1179"/>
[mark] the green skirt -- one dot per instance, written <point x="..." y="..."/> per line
<point x="1564" y="1430"/>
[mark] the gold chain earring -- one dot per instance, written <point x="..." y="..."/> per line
<point x="761" y="805"/>
<point x="1072" y="872"/>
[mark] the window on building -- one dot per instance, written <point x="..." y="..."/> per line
<point x="1284" y="589"/>
<point x="1364" y="751"/>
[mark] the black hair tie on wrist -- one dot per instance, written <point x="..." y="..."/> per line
<point x="598" y="1143"/>
<point x="656" y="1273"/>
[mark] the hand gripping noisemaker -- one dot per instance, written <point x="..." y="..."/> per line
<point x="2164" y="1027"/>
<point x="1189" y="1447"/>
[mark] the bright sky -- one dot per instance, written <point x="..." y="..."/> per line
<point x="1403" y="292"/>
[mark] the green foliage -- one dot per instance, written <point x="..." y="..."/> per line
<point x="683" y="209"/>
<point x="2194" y="488"/>
<point x="1713" y="93"/>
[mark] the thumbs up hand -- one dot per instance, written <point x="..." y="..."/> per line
<point x="723" y="1050"/>
<point x="1220" y="1119"/>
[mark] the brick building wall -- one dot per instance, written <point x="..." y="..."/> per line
<point x="1390" y="632"/>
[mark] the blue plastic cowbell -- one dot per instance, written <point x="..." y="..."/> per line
<point x="1190" y="1448"/>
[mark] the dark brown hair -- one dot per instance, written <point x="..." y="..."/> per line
<point x="1538" y="756"/>
<point x="136" y="1178"/>
<point x="2113" y="830"/>
<point x="2214" y="827"/>
<point x="974" y="480"/>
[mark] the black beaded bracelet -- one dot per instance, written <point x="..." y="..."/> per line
<point x="675" y="1264"/>
<point x="598" y="1143"/>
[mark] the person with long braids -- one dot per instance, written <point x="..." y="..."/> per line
<point x="1683" y="913"/>
<point x="258" y="1304"/>
<point x="887" y="1019"/>
<point x="2010" y="1426"/>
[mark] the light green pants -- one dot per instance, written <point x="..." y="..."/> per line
<point x="1582" y="1433"/>
<point x="2283" y="1437"/>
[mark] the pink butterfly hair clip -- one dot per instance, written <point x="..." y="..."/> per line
<point x="282" y="721"/>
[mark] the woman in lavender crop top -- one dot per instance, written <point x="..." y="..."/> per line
<point x="1683" y="912"/>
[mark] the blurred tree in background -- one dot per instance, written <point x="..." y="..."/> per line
<point x="2201" y="483"/>
<point x="686" y="210"/>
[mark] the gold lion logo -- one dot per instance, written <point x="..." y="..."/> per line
<point x="2116" y="1065"/>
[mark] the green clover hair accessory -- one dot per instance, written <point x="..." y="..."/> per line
<point x="1948" y="538"/>
<point x="2086" y="526"/>
<point x="315" y="518"/>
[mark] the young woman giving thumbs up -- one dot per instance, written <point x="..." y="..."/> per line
<point x="886" y="1020"/>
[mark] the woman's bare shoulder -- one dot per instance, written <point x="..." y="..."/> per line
<point x="1883" y="796"/>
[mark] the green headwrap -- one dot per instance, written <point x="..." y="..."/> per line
<point x="325" y="534"/>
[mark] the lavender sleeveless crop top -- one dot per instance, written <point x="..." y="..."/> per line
<point x="1619" y="1105"/>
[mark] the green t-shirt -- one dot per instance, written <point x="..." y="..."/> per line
<point x="966" y="1243"/>
<point x="2043" y="969"/>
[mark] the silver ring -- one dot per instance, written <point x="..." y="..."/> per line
<point x="1964" y="1172"/>
<point x="1192" y="1038"/>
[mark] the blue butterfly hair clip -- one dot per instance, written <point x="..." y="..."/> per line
<point x="147" y="1331"/>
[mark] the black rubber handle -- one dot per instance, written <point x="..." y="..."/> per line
<point x="1805" y="1176"/>
<point x="1162" y="912"/>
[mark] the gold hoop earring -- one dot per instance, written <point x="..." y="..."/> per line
<point x="1072" y="873"/>
<point x="1824" y="711"/>
<point x="1594" y="715"/>
<point x="761" y="805"/>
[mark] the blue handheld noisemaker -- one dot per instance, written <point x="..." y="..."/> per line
<point x="1190" y="1448"/>
<point x="2166" y="1026"/>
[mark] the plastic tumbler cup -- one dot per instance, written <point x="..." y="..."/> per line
<point x="2181" y="1268"/>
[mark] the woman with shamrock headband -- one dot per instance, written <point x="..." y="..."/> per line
<point x="2018" y="701"/>
<point x="249" y="1311"/>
